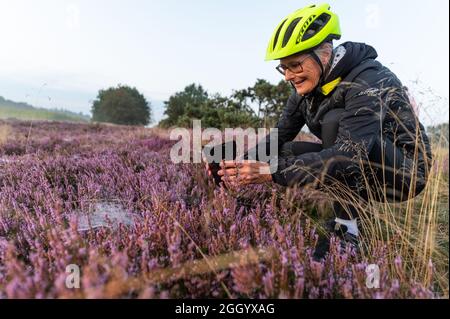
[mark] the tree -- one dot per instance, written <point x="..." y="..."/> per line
<point x="184" y="106"/>
<point x="121" y="105"/>
<point x="271" y="99"/>
<point x="222" y="111"/>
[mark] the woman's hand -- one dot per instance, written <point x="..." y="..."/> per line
<point x="208" y="169"/>
<point x="245" y="172"/>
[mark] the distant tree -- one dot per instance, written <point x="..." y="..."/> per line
<point x="222" y="112"/>
<point x="235" y="110"/>
<point x="271" y="99"/>
<point x="184" y="106"/>
<point x="121" y="105"/>
<point x="242" y="101"/>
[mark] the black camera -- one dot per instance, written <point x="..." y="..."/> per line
<point x="213" y="157"/>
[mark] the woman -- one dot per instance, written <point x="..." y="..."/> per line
<point x="372" y="142"/>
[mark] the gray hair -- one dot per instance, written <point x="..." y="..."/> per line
<point x="324" y="52"/>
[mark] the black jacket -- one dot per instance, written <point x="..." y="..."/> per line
<point x="375" y="104"/>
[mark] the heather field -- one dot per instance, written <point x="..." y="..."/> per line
<point x="108" y="200"/>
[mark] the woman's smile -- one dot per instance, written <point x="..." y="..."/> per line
<point x="299" y="82"/>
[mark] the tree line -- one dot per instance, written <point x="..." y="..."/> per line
<point x="257" y="106"/>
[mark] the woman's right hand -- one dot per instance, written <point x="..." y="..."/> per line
<point x="208" y="169"/>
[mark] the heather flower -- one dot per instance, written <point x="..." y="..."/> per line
<point x="109" y="200"/>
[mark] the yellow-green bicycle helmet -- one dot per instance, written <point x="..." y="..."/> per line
<point x="303" y="30"/>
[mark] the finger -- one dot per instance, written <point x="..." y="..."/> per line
<point x="228" y="172"/>
<point x="245" y="170"/>
<point x="247" y="162"/>
<point x="247" y="179"/>
<point x="229" y="181"/>
<point x="243" y="181"/>
<point x="249" y="165"/>
<point x="228" y="164"/>
<point x="231" y="178"/>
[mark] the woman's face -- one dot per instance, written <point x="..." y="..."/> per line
<point x="302" y="71"/>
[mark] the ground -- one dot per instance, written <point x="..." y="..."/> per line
<point x="107" y="201"/>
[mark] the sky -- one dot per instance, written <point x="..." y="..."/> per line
<point x="58" y="53"/>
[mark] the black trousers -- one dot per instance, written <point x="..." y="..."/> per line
<point x="388" y="181"/>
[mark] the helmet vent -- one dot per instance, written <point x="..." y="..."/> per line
<point x="290" y="30"/>
<point x="277" y="34"/>
<point x="316" y="26"/>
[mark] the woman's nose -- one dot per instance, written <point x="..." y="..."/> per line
<point x="288" y="75"/>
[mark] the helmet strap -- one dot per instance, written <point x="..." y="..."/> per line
<point x="322" y="70"/>
<point x="317" y="59"/>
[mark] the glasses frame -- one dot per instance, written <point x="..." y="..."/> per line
<point x="282" y="68"/>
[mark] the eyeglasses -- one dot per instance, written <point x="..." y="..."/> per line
<point x="294" y="67"/>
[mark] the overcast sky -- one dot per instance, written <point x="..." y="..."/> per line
<point x="57" y="53"/>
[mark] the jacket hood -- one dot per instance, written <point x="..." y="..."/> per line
<point x="347" y="56"/>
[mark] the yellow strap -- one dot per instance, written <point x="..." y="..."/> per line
<point x="327" y="88"/>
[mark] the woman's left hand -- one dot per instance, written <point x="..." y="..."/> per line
<point x="245" y="172"/>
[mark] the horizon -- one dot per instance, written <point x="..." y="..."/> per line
<point x="79" y="48"/>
